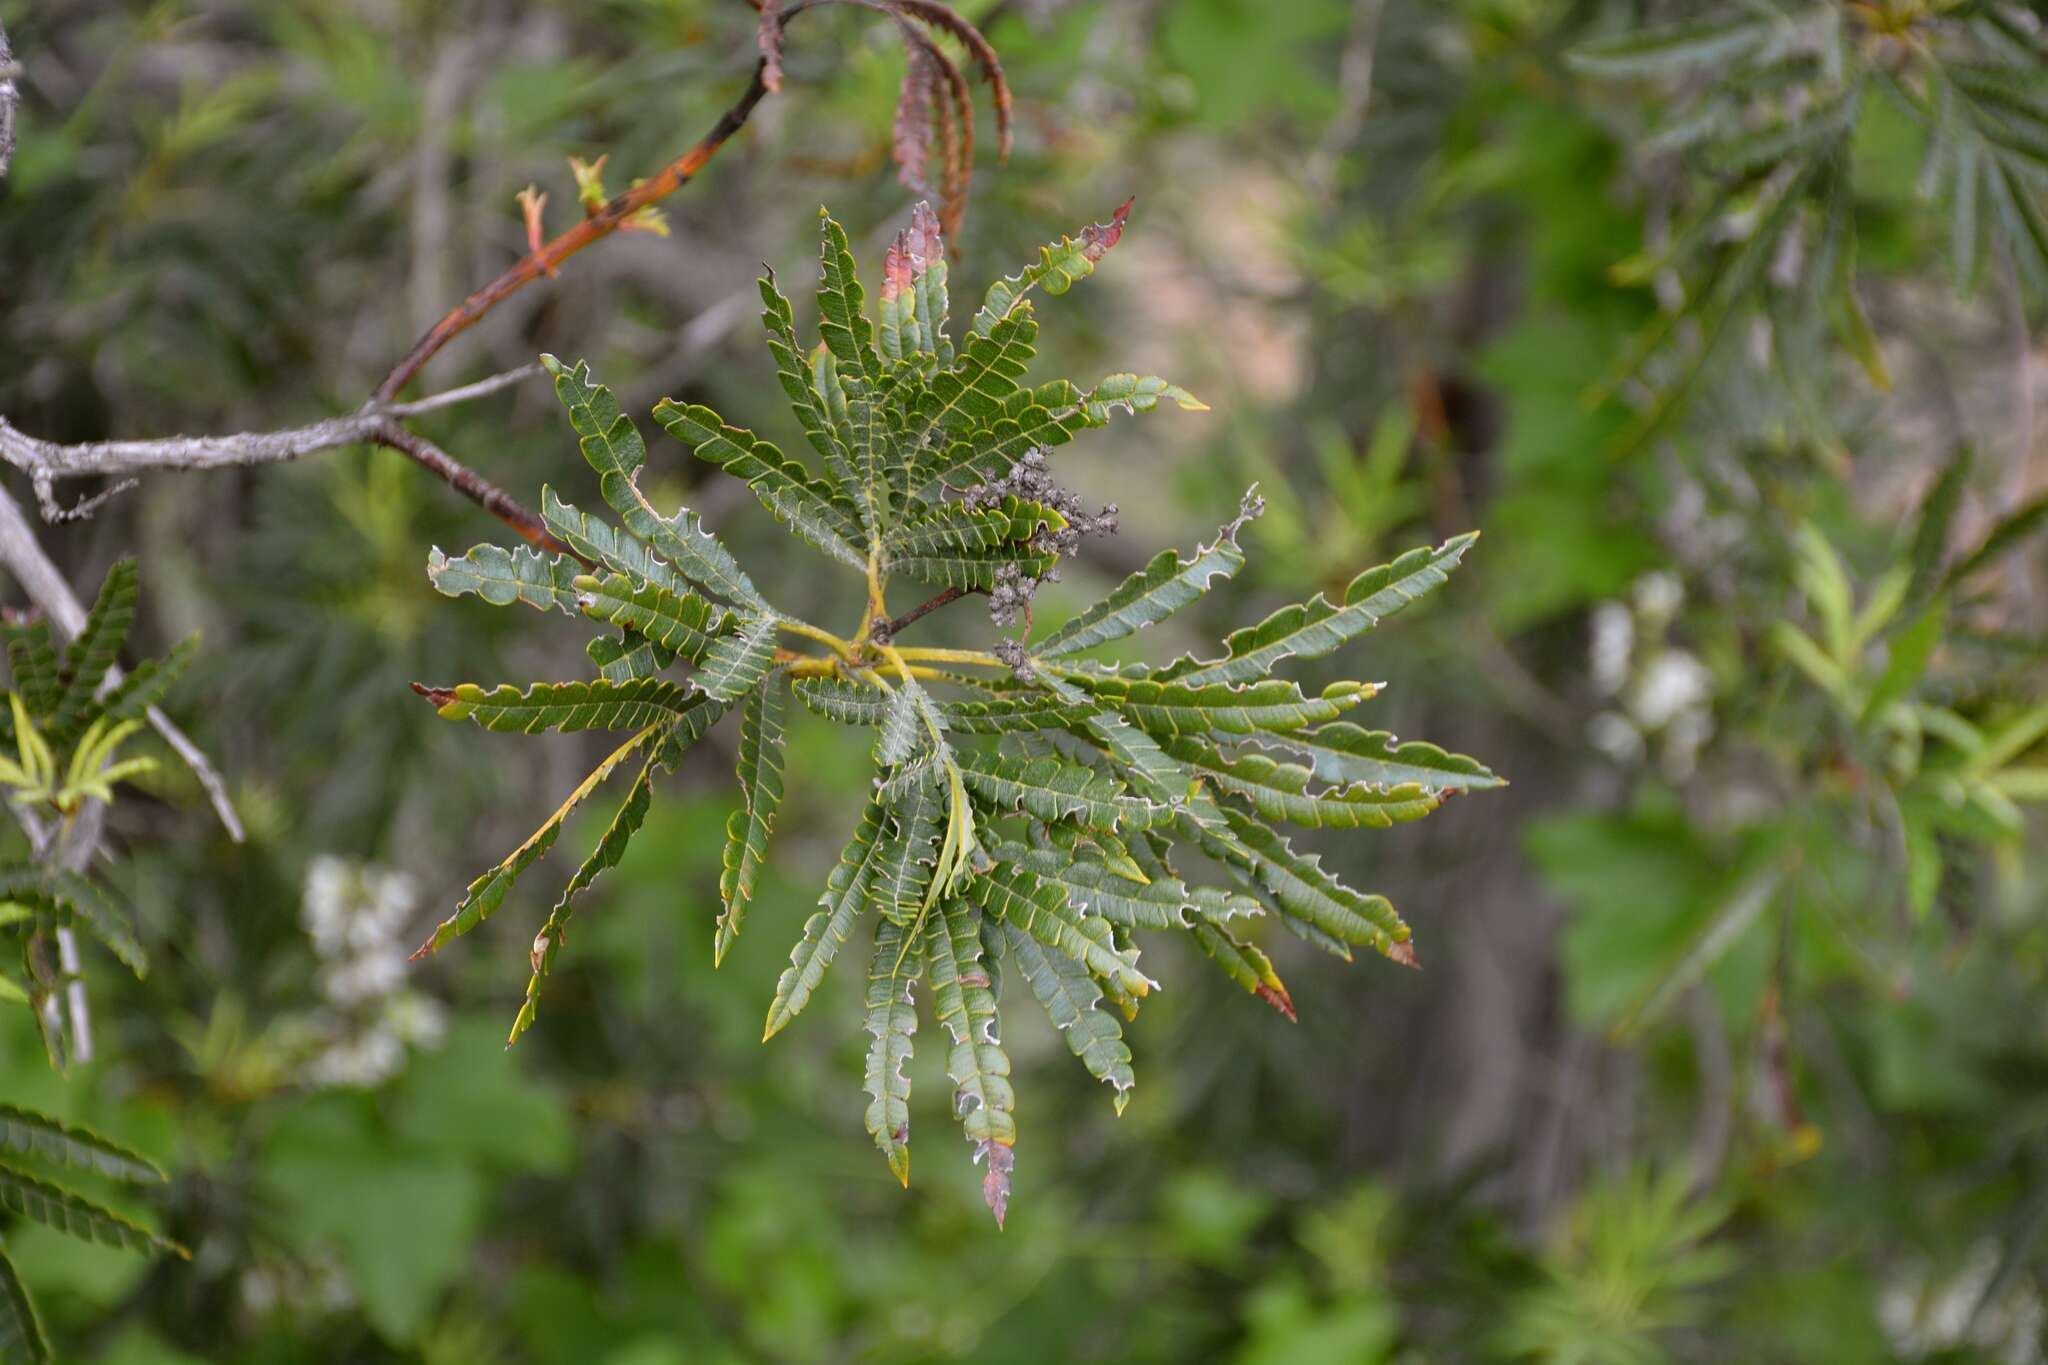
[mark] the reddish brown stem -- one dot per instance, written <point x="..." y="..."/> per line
<point x="595" y="227"/>
<point x="471" y="485"/>
<point x="924" y="609"/>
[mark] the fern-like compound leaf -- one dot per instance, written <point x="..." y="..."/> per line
<point x="682" y="623"/>
<point x="891" y="1021"/>
<point x="1184" y="708"/>
<point x="1058" y="268"/>
<point x="795" y="376"/>
<point x="32" y="661"/>
<point x="599" y="542"/>
<point x="966" y="1009"/>
<point x="809" y="508"/>
<point x="1307" y="893"/>
<point x="1053" y="790"/>
<point x="1345" y="753"/>
<point x="21" y="1332"/>
<point x="747" y="831"/>
<point x="1016" y="896"/>
<point x="1280" y="791"/>
<point x="69" y="900"/>
<point x="737" y="660"/>
<point x="28" y="1133"/>
<point x="566" y="706"/>
<point x="842" y="321"/>
<point x="92" y="652"/>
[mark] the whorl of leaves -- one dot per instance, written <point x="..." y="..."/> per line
<point x="1027" y="804"/>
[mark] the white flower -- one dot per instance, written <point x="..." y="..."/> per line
<point x="1614" y="640"/>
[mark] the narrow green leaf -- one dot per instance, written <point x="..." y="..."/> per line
<point x="807" y="507"/>
<point x="747" y="832"/>
<point x="913" y="300"/>
<point x="1072" y="1001"/>
<point x="1054" y="790"/>
<point x="626" y="657"/>
<point x="891" y="1021"/>
<point x="1246" y="965"/>
<point x="93" y="651"/>
<point x="682" y="623"/>
<point x="966" y="1008"/>
<point x="72" y="900"/>
<point x="1346" y="754"/>
<point x="42" y="1137"/>
<point x="1181" y="707"/>
<point x="1280" y="791"/>
<point x="151" y="681"/>
<point x="564" y="706"/>
<point x="502" y="577"/>
<point x="842" y="321"/>
<point x="39" y="1201"/>
<point x="797" y="383"/>
<point x="1058" y="268"/>
<point x="32" y="660"/>
<point x="1156" y="591"/>
<point x="1316" y="627"/>
<point x="21" y="1331"/>
<point x="904" y="866"/>
<point x="826" y="931"/>
<point x="736" y="662"/>
<point x="1016" y="896"/>
<point x="611" y="846"/>
<point x="1306" y="892"/>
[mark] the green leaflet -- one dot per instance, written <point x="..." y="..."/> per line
<point x="826" y="931"/>
<point x="737" y="661"/>
<point x="871" y="447"/>
<point x="1306" y="892"/>
<point x="1280" y="791"/>
<point x="94" y="650"/>
<point x="1093" y="888"/>
<point x="682" y="623"/>
<point x="956" y="526"/>
<point x="891" y="1021"/>
<point x="1054" y="790"/>
<point x="1155" y="592"/>
<point x="32" y="661"/>
<point x="39" y="1201"/>
<point x="973" y="389"/>
<point x="40" y="1136"/>
<point x="612" y="446"/>
<point x="965" y="569"/>
<point x="502" y="577"/>
<point x="804" y="399"/>
<point x="1016" y="896"/>
<point x="71" y="900"/>
<point x="966" y="1009"/>
<point x="600" y="542"/>
<point x="21" y="1331"/>
<point x="1344" y="753"/>
<point x="1072" y="1001"/>
<point x="842" y="323"/>
<point x="1184" y="708"/>
<point x="747" y="831"/>
<point x="611" y="846"/>
<point x="1135" y="393"/>
<point x="902" y="729"/>
<point x="903" y="869"/>
<point x="625" y="658"/>
<point x="564" y="706"/>
<point x="1314" y="628"/>
<point x="807" y="507"/>
<point x="487" y="892"/>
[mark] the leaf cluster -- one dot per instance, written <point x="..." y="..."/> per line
<point x="1033" y="810"/>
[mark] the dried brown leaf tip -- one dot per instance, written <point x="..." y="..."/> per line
<point x="1276" y="995"/>
<point x="1098" y="238"/>
<point x="439" y="696"/>
<point x="912" y="253"/>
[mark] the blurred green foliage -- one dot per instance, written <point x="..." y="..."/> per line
<point x="1729" y="1043"/>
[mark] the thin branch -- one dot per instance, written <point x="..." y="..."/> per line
<point x="924" y="609"/>
<point x="10" y="96"/>
<point x="593" y="228"/>
<point x="450" y="397"/>
<point x="1354" y="94"/>
<point x="469" y="483"/>
<point x="45" y="586"/>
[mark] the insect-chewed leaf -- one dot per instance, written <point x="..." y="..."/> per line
<point x="1306" y="892"/>
<point x="1072" y="1001"/>
<point x="1058" y="268"/>
<point x="502" y="577"/>
<point x="746" y="833"/>
<point x="841" y="320"/>
<point x="1345" y="753"/>
<point x="611" y="846"/>
<point x="892" y="1020"/>
<point x="1016" y="896"/>
<point x="563" y="706"/>
<point x="737" y="661"/>
<point x="913" y="298"/>
<point x="38" y="1135"/>
<point x="1156" y="591"/>
<point x="612" y="446"/>
<point x="93" y="651"/>
<point x="1192" y="709"/>
<point x="855" y="704"/>
<point x="682" y="623"/>
<point x="1053" y="790"/>
<point x="32" y="660"/>
<point x="807" y="507"/>
<point x="966" y="1009"/>
<point x="903" y="869"/>
<point x="1135" y="393"/>
<point x="1311" y="629"/>
<point x="598" y="541"/>
<point x="1093" y="888"/>
<point x="71" y="900"/>
<point x="1245" y="964"/>
<point x="1280" y="791"/>
<point x="901" y="730"/>
<point x="39" y="1201"/>
<point x="826" y="931"/>
<point x="971" y="391"/>
<point x="627" y="657"/>
<point x="487" y="892"/>
<point x="21" y="1331"/>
